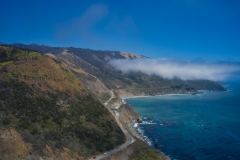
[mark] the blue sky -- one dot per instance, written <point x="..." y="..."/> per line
<point x="186" y="29"/>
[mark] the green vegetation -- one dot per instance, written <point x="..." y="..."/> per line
<point x="144" y="152"/>
<point x="138" y="150"/>
<point x="86" y="120"/>
<point x="6" y="63"/>
<point x="42" y="100"/>
<point x="8" y="53"/>
<point x="205" y="85"/>
<point x="145" y="155"/>
<point x="96" y="63"/>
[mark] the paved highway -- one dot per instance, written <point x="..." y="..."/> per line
<point x="130" y="140"/>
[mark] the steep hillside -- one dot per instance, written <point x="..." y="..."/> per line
<point x="95" y="64"/>
<point x="90" y="81"/>
<point x="47" y="112"/>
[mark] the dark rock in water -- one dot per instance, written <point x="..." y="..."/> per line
<point x="157" y="144"/>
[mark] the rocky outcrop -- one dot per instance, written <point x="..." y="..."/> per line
<point x="128" y="115"/>
<point x="131" y="55"/>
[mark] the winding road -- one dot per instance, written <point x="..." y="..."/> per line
<point x="129" y="138"/>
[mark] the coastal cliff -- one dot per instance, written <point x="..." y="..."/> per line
<point x="128" y="115"/>
<point x="139" y="149"/>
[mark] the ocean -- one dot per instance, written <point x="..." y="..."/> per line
<point x="205" y="126"/>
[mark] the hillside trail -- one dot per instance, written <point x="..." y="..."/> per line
<point x="112" y="96"/>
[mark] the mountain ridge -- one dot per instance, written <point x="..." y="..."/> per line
<point x="95" y="63"/>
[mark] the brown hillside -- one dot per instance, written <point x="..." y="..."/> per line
<point x="48" y="111"/>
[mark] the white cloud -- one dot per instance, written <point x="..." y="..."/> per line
<point x="185" y="70"/>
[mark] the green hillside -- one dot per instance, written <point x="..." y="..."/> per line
<point x="52" y="99"/>
<point x="49" y="106"/>
<point x="96" y="63"/>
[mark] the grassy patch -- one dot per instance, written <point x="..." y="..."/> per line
<point x="144" y="152"/>
<point x="6" y="63"/>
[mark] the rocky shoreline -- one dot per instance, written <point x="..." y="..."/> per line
<point x="131" y="120"/>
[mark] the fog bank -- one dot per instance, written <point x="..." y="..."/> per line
<point x="185" y="70"/>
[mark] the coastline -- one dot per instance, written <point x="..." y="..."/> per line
<point x="137" y="131"/>
<point x="140" y="133"/>
<point x="159" y="95"/>
<point x="134" y="127"/>
<point x="128" y="119"/>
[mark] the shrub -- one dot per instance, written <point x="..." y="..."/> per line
<point x="34" y="131"/>
<point x="6" y="121"/>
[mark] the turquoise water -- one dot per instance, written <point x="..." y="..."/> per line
<point x="201" y="127"/>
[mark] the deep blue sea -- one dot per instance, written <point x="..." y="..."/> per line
<point x="188" y="127"/>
